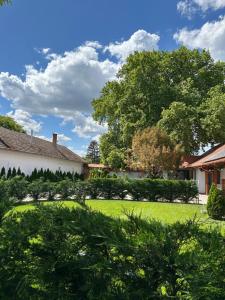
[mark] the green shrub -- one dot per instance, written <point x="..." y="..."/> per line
<point x="139" y="189"/>
<point x="17" y="187"/>
<point x="36" y="188"/>
<point x="50" y="189"/>
<point x="65" y="188"/>
<point x="216" y="203"/>
<point x="54" y="252"/>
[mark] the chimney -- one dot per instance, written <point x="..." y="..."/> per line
<point x="54" y="139"/>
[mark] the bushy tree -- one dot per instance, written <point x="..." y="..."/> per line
<point x="18" y="187"/>
<point x="212" y="114"/>
<point x="150" y="82"/>
<point x="182" y="123"/>
<point x="10" y="123"/>
<point x="65" y="188"/>
<point x="216" y="203"/>
<point x="36" y="188"/>
<point x="154" y="151"/>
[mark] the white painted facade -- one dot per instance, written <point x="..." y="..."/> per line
<point x="200" y="179"/>
<point x="129" y="174"/>
<point x="28" y="162"/>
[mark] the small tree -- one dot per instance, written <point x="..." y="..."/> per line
<point x="154" y="151"/>
<point x="93" y="152"/>
<point x="17" y="187"/>
<point x="2" y="172"/>
<point x="14" y="172"/>
<point x="9" y="173"/>
<point x="36" y="188"/>
<point x="216" y="203"/>
<point x="65" y="188"/>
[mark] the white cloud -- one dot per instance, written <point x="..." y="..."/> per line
<point x="141" y="40"/>
<point x="210" y="36"/>
<point x="61" y="138"/>
<point x="25" y="120"/>
<point x="86" y="127"/>
<point x="70" y="81"/>
<point x="189" y="7"/>
<point x="80" y="152"/>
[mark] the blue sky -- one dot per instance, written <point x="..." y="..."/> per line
<point x="55" y="56"/>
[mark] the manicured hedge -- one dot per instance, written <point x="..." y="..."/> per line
<point x="143" y="189"/>
<point x="100" y="188"/>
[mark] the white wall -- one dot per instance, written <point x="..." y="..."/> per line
<point x="131" y="175"/>
<point x="28" y="162"/>
<point x="200" y="178"/>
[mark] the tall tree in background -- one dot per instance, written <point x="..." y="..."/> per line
<point x="93" y="155"/>
<point x="10" y="123"/>
<point x="149" y="82"/>
<point x="154" y="151"/>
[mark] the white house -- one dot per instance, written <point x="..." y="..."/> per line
<point x="209" y="168"/>
<point x="26" y="152"/>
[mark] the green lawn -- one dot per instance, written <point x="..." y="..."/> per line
<point x="165" y="212"/>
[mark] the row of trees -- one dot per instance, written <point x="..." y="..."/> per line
<point x="180" y="92"/>
<point x="37" y="174"/>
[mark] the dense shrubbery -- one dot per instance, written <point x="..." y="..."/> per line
<point x="54" y="252"/>
<point x="140" y="189"/>
<point x="216" y="203"/>
<point x="107" y="188"/>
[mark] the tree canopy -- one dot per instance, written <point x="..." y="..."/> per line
<point x="148" y="84"/>
<point x="10" y="123"/>
<point x="154" y="151"/>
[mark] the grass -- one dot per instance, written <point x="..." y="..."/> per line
<point x="165" y="212"/>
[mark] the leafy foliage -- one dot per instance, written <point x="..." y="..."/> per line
<point x="57" y="253"/>
<point x="8" y="122"/>
<point x="216" y="203"/>
<point x="139" y="189"/>
<point x="181" y="122"/>
<point x="149" y="82"/>
<point x="154" y="151"/>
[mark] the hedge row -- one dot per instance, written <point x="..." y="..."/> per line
<point x="107" y="188"/>
<point x="46" y="175"/>
<point x="143" y="189"/>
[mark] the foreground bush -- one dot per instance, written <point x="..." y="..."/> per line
<point x="57" y="253"/>
<point x="216" y="203"/>
<point x="139" y="189"/>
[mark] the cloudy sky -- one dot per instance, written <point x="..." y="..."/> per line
<point x="55" y="56"/>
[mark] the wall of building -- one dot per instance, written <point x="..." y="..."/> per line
<point x="28" y="162"/>
<point x="200" y="178"/>
<point x="131" y="174"/>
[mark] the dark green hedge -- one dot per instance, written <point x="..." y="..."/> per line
<point x="140" y="189"/>
<point x="100" y="188"/>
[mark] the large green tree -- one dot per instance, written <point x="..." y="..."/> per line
<point x="181" y="122"/>
<point x="148" y="83"/>
<point x="10" y="123"/>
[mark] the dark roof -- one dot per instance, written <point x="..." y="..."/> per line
<point x="15" y="141"/>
